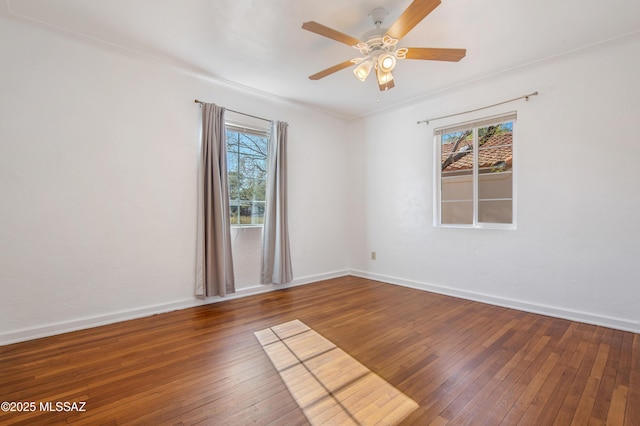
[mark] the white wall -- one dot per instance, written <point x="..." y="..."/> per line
<point x="98" y="167"/>
<point x="576" y="249"/>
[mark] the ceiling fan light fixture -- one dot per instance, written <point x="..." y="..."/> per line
<point x="386" y="62"/>
<point x="362" y="71"/>
<point x="383" y="77"/>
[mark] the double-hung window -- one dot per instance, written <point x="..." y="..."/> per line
<point x="247" y="150"/>
<point x="474" y="164"/>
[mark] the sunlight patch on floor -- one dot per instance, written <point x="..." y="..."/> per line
<point x="327" y="383"/>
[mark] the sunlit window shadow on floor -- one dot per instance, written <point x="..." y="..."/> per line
<point x="327" y="383"/>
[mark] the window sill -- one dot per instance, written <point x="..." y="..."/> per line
<point x="498" y="226"/>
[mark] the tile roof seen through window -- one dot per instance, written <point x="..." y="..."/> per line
<point x="495" y="155"/>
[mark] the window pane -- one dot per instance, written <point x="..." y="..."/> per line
<point x="232" y="151"/>
<point x="246" y="173"/>
<point x="456" y="152"/>
<point x="457" y="212"/>
<point x="495" y="159"/>
<point x="500" y="134"/>
<point x="495" y="177"/>
<point x="457" y="187"/>
<point x="251" y="212"/>
<point x="495" y="211"/>
<point x="257" y="212"/>
<point x="495" y="185"/>
<point x="234" y="210"/>
<point x="495" y="162"/>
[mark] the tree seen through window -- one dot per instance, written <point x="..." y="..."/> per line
<point x="247" y="175"/>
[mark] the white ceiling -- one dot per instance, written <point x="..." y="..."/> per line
<point x="260" y="43"/>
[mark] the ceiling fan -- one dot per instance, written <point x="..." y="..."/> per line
<point x="379" y="46"/>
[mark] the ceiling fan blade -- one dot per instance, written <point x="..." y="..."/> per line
<point x="436" y="54"/>
<point x="416" y="12"/>
<point x="320" y="29"/>
<point x="330" y="70"/>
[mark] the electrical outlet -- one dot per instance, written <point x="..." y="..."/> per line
<point x="373" y="255"/>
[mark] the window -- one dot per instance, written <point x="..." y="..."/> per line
<point x="474" y="174"/>
<point x="246" y="173"/>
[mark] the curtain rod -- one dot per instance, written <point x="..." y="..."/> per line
<point x="238" y="112"/>
<point x="525" y="97"/>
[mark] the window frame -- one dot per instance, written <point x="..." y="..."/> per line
<point x="474" y="125"/>
<point x="240" y="128"/>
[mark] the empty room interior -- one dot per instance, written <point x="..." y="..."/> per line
<point x="322" y="212"/>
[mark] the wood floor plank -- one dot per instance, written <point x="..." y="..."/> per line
<point x="548" y="410"/>
<point x="616" y="413"/>
<point x="499" y="397"/>
<point x="632" y="354"/>
<point x="605" y="392"/>
<point x="530" y="391"/>
<point x="581" y="383"/>
<point x="462" y="362"/>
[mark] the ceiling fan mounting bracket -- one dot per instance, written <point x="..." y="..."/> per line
<point x="377" y="15"/>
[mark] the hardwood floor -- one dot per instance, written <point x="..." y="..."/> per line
<point x="463" y="362"/>
<point x="328" y="384"/>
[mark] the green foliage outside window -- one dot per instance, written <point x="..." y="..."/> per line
<point x="247" y="175"/>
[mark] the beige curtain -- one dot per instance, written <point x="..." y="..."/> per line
<point x="276" y="256"/>
<point x="214" y="265"/>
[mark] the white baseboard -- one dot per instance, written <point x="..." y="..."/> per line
<point x="264" y="288"/>
<point x="552" y="311"/>
<point x="98" y="320"/>
<point x="93" y="321"/>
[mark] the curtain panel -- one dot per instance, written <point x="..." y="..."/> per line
<point x="276" y="256"/>
<point x="214" y="264"/>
